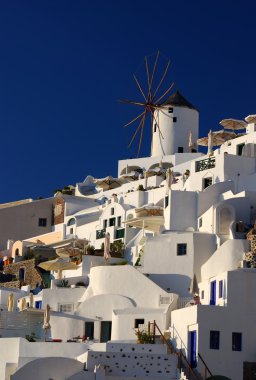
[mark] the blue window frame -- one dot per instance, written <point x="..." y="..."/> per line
<point x="236" y="341"/>
<point x="221" y="289"/>
<point x="214" y="340"/>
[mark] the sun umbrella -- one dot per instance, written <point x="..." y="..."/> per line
<point x="108" y="183"/>
<point x="31" y="300"/>
<point x="233" y="124"/>
<point x="210" y="142"/>
<point x="107" y="246"/>
<point x="46" y="325"/>
<point x="59" y="265"/>
<point x="23" y="304"/>
<point x="250" y="119"/>
<point x="66" y="252"/>
<point x="10" y="302"/>
<point x="168" y="179"/>
<point x="190" y="142"/>
<point x="194" y="286"/>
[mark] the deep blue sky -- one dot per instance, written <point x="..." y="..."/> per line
<point x="64" y="64"/>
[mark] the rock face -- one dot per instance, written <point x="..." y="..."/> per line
<point x="25" y="273"/>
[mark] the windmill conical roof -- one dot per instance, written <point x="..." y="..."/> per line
<point x="178" y="100"/>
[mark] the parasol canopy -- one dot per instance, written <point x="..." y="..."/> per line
<point x="233" y="124"/>
<point x="250" y="119"/>
<point x="10" y="302"/>
<point x="107" y="246"/>
<point x="194" y="289"/>
<point x="216" y="138"/>
<point x="65" y="252"/>
<point x="46" y="325"/>
<point x="150" y="223"/>
<point x="109" y="183"/>
<point x="23" y="305"/>
<point x="58" y="264"/>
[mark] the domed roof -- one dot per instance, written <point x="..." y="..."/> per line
<point x="178" y="100"/>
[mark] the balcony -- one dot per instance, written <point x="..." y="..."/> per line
<point x="100" y="234"/>
<point x="208" y="163"/>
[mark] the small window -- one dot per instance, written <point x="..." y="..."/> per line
<point x="71" y="231"/>
<point x="155" y="127"/>
<point x="214" y="340"/>
<point x="239" y="149"/>
<point x="174" y="119"/>
<point x="236" y="341"/>
<point x="112" y="222"/>
<point x="166" y="201"/>
<point x="207" y="182"/>
<point x="181" y="249"/>
<point x="66" y="308"/>
<point x="170" y="110"/>
<point x="105" y="223"/>
<point x="42" y="222"/>
<point x="17" y="252"/>
<point x="202" y="294"/>
<point x="119" y="221"/>
<point x="112" y="211"/>
<point x="221" y="289"/>
<point x="200" y="222"/>
<point x="180" y="149"/>
<point x="138" y="322"/>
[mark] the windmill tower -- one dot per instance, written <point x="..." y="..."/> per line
<point x="176" y="118"/>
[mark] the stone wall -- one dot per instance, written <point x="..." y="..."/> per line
<point x="31" y="274"/>
<point x="10" y="284"/>
<point x="58" y="210"/>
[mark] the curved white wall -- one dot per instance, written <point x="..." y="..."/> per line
<point x="174" y="134"/>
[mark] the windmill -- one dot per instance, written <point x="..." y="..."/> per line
<point x="150" y="102"/>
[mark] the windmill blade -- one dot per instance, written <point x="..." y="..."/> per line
<point x="166" y="92"/>
<point x="136" y="80"/>
<point x="131" y="102"/>
<point x="153" y="73"/>
<point x="157" y="124"/>
<point x="162" y="79"/>
<point x="141" y="132"/>
<point x="147" y="70"/>
<point x="135" y="133"/>
<point x="136" y="118"/>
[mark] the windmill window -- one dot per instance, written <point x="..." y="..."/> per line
<point x="155" y="127"/>
<point x="236" y="341"/>
<point x="239" y="149"/>
<point x="42" y="222"/>
<point x="214" y="340"/>
<point x="170" y="110"/>
<point x="181" y="249"/>
<point x="174" y="119"/>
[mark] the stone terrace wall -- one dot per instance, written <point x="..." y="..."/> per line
<point x="31" y="277"/>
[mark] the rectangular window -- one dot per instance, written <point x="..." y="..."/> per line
<point x="174" y="119"/>
<point x="105" y="223"/>
<point x="221" y="289"/>
<point x="170" y="110"/>
<point x="181" y="249"/>
<point x="138" y="322"/>
<point x="207" y="182"/>
<point x="112" y="211"/>
<point x="236" y="341"/>
<point x="112" y="222"/>
<point x="42" y="222"/>
<point x="214" y="340"/>
<point x="166" y="201"/>
<point x="119" y="221"/>
<point x="155" y="127"/>
<point x="71" y="231"/>
<point x="202" y="294"/>
<point x="239" y="149"/>
<point x="180" y="149"/>
<point x="200" y="222"/>
<point x="66" y="308"/>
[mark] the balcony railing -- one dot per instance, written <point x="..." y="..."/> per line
<point x="208" y="163"/>
<point x="100" y="234"/>
<point x="120" y="233"/>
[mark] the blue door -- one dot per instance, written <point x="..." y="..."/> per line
<point x="213" y="293"/>
<point x="192" y="341"/>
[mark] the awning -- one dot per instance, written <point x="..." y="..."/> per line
<point x="150" y="223"/>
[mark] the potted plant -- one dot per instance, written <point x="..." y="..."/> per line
<point x="143" y="336"/>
